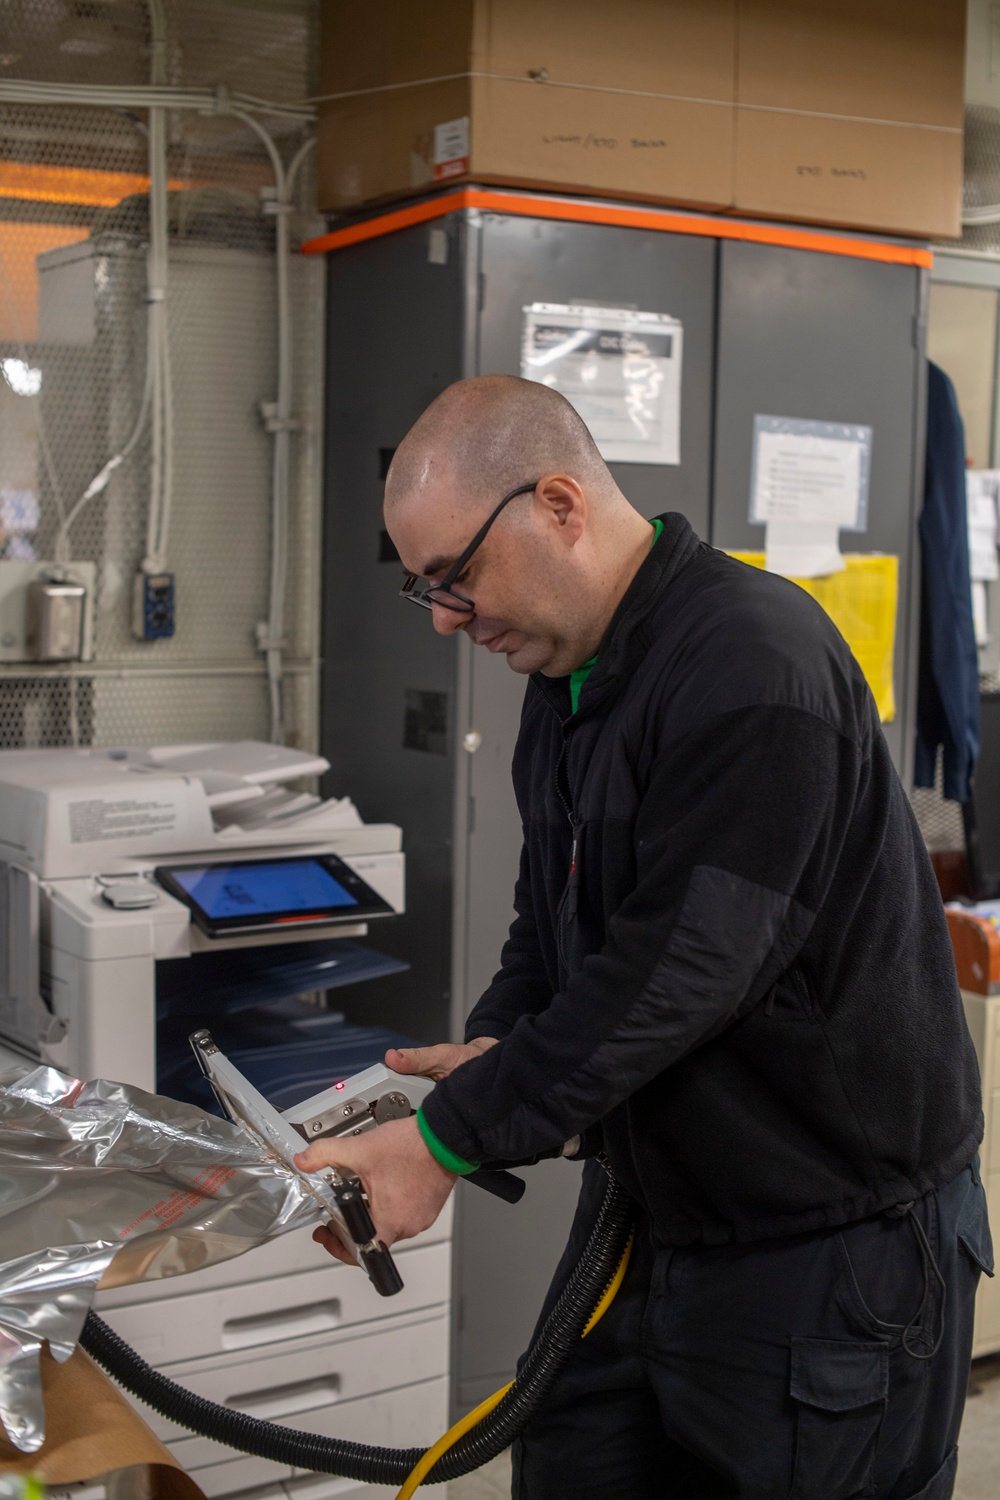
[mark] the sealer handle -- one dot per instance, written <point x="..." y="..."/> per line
<point x="501" y="1184"/>
<point x="382" y="1272"/>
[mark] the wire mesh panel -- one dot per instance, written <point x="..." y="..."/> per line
<point x="939" y="820"/>
<point x="982" y="177"/>
<point x="75" y="234"/>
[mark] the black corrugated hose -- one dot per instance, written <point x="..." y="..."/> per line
<point x="306" y="1450"/>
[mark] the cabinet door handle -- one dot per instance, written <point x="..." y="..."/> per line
<point x="282" y="1323"/>
<point x="283" y="1400"/>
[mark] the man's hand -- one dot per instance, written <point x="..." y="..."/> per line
<point x="436" y="1062"/>
<point x="406" y="1186"/>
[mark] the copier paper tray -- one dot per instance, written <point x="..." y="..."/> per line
<point x="286" y="1047"/>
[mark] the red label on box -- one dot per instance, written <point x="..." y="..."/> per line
<point x="451" y="168"/>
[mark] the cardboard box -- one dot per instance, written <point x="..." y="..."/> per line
<point x="975" y="943"/>
<point x="92" y="1433"/>
<point x="633" y="99"/>
<point x="840" y="112"/>
<point x="850" y="112"/>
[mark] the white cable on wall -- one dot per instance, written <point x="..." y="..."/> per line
<point x="157" y="396"/>
<point x="62" y="552"/>
<point x="278" y="420"/>
<point x="282" y="424"/>
<point x="161" y="464"/>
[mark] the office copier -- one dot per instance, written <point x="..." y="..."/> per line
<point x="146" y="893"/>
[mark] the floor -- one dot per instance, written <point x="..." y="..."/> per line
<point x="979" y="1445"/>
<point x="489" y="1483"/>
<point x="979" y="1449"/>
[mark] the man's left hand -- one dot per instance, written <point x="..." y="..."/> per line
<point x="406" y="1186"/>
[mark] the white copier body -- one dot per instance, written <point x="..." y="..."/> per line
<point x="79" y="986"/>
<point x="284" y="1331"/>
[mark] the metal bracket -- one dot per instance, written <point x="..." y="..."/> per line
<point x="274" y="423"/>
<point x="354" y="1116"/>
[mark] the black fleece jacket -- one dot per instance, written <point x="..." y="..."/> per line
<point x="729" y="952"/>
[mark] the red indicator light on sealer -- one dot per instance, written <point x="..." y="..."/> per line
<point x="338" y="1085"/>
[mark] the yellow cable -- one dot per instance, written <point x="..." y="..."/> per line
<point x="417" y="1475"/>
<point x="613" y="1288"/>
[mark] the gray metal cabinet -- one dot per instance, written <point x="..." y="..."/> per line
<point x="388" y="706"/>
<point x="833" y="339"/>
<point x="503" y="1262"/>
<point x="534" y="260"/>
<point x="408" y="314"/>
<point x="781" y="332"/>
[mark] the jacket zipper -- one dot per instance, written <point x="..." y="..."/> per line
<point x="560" y="773"/>
<point x="567" y="805"/>
<point x="568" y="808"/>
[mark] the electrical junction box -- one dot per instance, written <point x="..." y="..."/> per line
<point x="153" y="613"/>
<point x="47" y="611"/>
<point x="55" y="619"/>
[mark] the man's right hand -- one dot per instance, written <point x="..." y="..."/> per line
<point x="436" y="1062"/>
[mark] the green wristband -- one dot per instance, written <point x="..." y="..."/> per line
<point x="440" y="1151"/>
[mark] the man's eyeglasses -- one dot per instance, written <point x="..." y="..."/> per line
<point x="442" y="593"/>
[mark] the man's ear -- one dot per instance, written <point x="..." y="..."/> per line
<point x="563" y="505"/>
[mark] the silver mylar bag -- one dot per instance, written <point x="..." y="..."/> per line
<point x="102" y="1184"/>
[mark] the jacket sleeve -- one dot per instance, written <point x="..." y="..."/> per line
<point x="738" y="835"/>
<point x="521" y="986"/>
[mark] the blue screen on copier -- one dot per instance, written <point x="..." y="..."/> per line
<point x="266" y="889"/>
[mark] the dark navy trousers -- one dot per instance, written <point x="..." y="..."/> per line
<point x="800" y="1368"/>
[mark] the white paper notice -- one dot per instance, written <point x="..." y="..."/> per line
<point x="980" y="613"/>
<point x="981" y="490"/>
<point x="809" y="483"/>
<point x="799" y="549"/>
<point x="620" y="369"/>
<point x="451" y="148"/>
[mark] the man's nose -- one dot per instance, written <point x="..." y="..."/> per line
<point x="448" y="621"/>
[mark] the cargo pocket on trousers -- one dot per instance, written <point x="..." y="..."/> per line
<point x="840" y="1389"/>
<point x="973" y="1228"/>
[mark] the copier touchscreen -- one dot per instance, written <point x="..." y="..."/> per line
<point x="272" y="892"/>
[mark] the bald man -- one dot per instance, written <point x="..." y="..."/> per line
<point x="728" y="973"/>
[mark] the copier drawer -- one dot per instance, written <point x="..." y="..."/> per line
<point x="295" y="1383"/>
<point x="280" y="1257"/>
<point x="244" y="1473"/>
<point x="305" y="1305"/>
<point x="413" y="1416"/>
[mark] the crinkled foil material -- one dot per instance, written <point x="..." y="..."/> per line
<point x="102" y="1184"/>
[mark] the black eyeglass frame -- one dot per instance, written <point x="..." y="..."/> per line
<point x="428" y="597"/>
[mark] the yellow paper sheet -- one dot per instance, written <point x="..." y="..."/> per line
<point x="861" y="602"/>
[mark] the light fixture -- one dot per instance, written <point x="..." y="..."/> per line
<point x="23" y="379"/>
